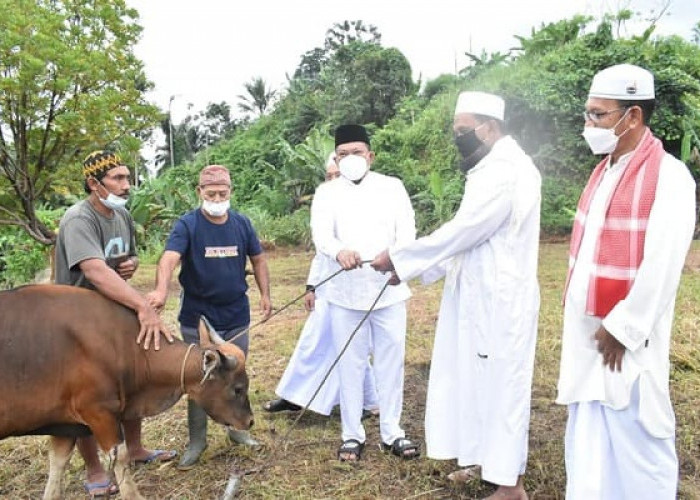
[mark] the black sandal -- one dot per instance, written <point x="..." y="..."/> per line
<point x="277" y="405"/>
<point x="402" y="448"/>
<point x="351" y="447"/>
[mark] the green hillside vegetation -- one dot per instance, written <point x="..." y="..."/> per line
<point x="277" y="152"/>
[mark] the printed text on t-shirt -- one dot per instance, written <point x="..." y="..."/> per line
<point x="221" y="252"/>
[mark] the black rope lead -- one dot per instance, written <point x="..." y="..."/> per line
<point x="290" y="303"/>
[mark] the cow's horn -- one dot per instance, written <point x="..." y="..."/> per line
<point x="231" y="362"/>
<point x="207" y="333"/>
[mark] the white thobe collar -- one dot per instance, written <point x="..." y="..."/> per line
<point x="621" y="163"/>
<point x="499" y="145"/>
<point x="368" y="177"/>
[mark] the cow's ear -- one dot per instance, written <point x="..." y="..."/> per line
<point x="212" y="359"/>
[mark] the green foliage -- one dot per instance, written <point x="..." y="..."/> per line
<point x="559" y="199"/>
<point x="553" y="35"/>
<point x="70" y="83"/>
<point x="545" y="90"/>
<point x="195" y="133"/>
<point x="291" y="229"/>
<point x="303" y="166"/>
<point x="277" y="161"/>
<point x="365" y="83"/>
<point x="419" y="151"/>
<point x="23" y="257"/>
<point x="258" y="97"/>
<point x="158" y="202"/>
<point x="349" y="81"/>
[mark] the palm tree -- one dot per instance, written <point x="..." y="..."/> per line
<point x="259" y="97"/>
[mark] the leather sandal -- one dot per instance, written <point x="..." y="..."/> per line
<point x="351" y="447"/>
<point x="402" y="448"/>
<point x="277" y="405"/>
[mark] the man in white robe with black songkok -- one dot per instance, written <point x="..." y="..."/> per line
<point x="353" y="218"/>
<point x="306" y="375"/>
<point x="478" y="402"/>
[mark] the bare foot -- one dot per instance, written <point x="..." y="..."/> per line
<point x="465" y="475"/>
<point x="98" y="477"/>
<point x="516" y="492"/>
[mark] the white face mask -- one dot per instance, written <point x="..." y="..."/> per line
<point x="602" y="141"/>
<point x="353" y="167"/>
<point x="113" y="201"/>
<point x="216" y="208"/>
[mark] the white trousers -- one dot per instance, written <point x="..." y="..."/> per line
<point x="313" y="356"/>
<point x="385" y="331"/>
<point x="610" y="456"/>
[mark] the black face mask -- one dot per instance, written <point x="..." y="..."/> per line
<point x="472" y="150"/>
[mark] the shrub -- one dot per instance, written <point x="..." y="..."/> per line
<point x="21" y="256"/>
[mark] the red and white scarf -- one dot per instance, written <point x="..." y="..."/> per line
<point x="620" y="245"/>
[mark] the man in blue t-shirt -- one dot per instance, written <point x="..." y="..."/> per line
<point x="212" y="243"/>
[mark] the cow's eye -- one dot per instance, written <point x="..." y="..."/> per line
<point x="238" y="391"/>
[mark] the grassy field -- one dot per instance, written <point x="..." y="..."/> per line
<point x="304" y="465"/>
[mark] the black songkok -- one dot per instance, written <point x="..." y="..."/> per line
<point x="351" y="133"/>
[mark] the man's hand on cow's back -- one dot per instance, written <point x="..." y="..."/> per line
<point x="152" y="327"/>
<point x="156" y="299"/>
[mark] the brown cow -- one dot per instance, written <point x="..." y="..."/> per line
<point x="69" y="361"/>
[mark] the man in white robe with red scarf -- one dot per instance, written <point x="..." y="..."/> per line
<point x="632" y="230"/>
<point x="478" y="402"/>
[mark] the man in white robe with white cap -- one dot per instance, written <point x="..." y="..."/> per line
<point x="353" y="218"/>
<point x="315" y="353"/>
<point x="478" y="403"/>
<point x="632" y="230"/>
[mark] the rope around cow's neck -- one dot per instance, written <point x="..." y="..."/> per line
<point x="182" y="368"/>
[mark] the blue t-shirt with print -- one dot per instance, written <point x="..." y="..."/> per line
<point x="213" y="260"/>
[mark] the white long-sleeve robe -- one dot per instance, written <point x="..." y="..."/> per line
<point x="478" y="403"/>
<point x="642" y="321"/>
<point x="366" y="217"/>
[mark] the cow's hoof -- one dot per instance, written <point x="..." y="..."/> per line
<point x="191" y="457"/>
<point x="243" y="437"/>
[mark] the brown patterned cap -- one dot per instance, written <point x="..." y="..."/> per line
<point x="214" y="174"/>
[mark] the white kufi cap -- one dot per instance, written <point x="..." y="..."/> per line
<point x="623" y="82"/>
<point x="480" y="103"/>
